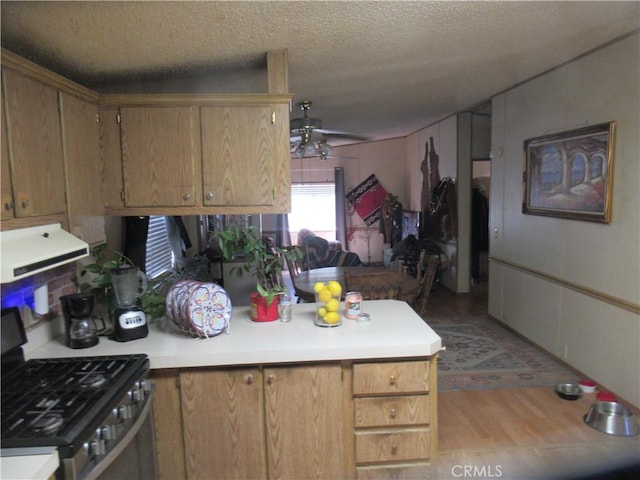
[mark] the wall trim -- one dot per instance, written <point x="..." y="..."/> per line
<point x="609" y="299"/>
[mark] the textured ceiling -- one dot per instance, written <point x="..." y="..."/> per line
<point x="381" y="69"/>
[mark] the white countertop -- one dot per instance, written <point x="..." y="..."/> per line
<point x="395" y="331"/>
<point x="39" y="465"/>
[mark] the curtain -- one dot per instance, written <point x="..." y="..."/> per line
<point x="341" y="212"/>
<point x="283" y="236"/>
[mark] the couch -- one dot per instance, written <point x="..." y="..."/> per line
<point x="319" y="252"/>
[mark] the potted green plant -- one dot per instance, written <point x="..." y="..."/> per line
<point x="257" y="257"/>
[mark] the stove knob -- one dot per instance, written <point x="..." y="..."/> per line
<point x="136" y="395"/>
<point x="123" y="412"/>
<point x="145" y="385"/>
<point x="107" y="432"/>
<point x="96" y="447"/>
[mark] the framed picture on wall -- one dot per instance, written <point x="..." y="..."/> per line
<point x="569" y="174"/>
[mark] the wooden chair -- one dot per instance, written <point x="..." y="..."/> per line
<point x="295" y="268"/>
<point x="421" y="300"/>
<point x="412" y="287"/>
<point x="375" y="285"/>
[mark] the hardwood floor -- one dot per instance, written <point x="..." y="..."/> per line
<point x="520" y="433"/>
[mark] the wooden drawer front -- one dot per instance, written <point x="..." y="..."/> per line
<point x="391" y="411"/>
<point x="389" y="445"/>
<point x="407" y="471"/>
<point x="395" y="377"/>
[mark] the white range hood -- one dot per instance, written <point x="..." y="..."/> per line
<point x="32" y="250"/>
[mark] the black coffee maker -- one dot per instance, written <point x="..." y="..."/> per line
<point x="81" y="329"/>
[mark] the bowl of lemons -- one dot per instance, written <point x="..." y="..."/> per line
<point x="328" y="303"/>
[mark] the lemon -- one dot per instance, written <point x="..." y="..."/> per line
<point x="322" y="312"/>
<point x="318" y="286"/>
<point x="333" y="305"/>
<point x="335" y="288"/>
<point x="332" y="317"/>
<point x="324" y="295"/>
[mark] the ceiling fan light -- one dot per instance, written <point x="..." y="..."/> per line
<point x="325" y="150"/>
<point x="309" y="148"/>
<point x="299" y="152"/>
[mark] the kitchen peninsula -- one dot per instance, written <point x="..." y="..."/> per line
<point x="272" y="400"/>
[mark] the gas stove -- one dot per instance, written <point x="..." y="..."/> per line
<point x="83" y="406"/>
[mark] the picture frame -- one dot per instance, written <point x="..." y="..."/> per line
<point x="570" y="174"/>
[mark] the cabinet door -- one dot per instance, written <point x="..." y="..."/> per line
<point x="167" y="421"/>
<point x="223" y="425"/>
<point x="160" y="156"/>
<point x="7" y="190"/>
<point x="240" y="154"/>
<point x="304" y="416"/>
<point x="85" y="202"/>
<point x="111" y="154"/>
<point x="35" y="142"/>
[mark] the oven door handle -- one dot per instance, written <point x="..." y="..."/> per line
<point x="108" y="459"/>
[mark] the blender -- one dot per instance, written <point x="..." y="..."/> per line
<point x="129" y="320"/>
<point x="81" y="329"/>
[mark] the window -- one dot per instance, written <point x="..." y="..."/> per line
<point x="313" y="206"/>
<point x="160" y="256"/>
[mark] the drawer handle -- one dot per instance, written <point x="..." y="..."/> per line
<point x="25" y="203"/>
<point x="8" y="206"/>
<point x="392" y="380"/>
<point x="271" y="379"/>
<point x="250" y="379"/>
<point x="392" y="413"/>
<point x="394" y="449"/>
<point x="186" y="196"/>
<point x="209" y="196"/>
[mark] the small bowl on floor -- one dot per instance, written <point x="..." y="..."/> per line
<point x="612" y="418"/>
<point x="569" y="391"/>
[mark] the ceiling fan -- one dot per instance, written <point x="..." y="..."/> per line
<point x="309" y="139"/>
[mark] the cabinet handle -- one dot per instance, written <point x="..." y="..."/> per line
<point x="392" y="380"/>
<point x="394" y="449"/>
<point x="186" y="196"/>
<point x="8" y="206"/>
<point x="209" y="196"/>
<point x="271" y="379"/>
<point x="25" y="203"/>
<point x="392" y="413"/>
<point x="250" y="379"/>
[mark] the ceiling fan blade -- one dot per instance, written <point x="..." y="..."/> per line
<point x="337" y="133"/>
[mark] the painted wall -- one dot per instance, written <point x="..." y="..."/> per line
<point x="572" y="286"/>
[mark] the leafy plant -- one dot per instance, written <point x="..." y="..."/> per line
<point x="238" y="242"/>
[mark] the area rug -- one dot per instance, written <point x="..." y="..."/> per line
<point x="483" y="354"/>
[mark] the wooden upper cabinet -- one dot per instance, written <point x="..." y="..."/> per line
<point x="7" y="189"/>
<point x="84" y="168"/>
<point x="242" y="158"/>
<point x="35" y="145"/>
<point x="160" y="156"/>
